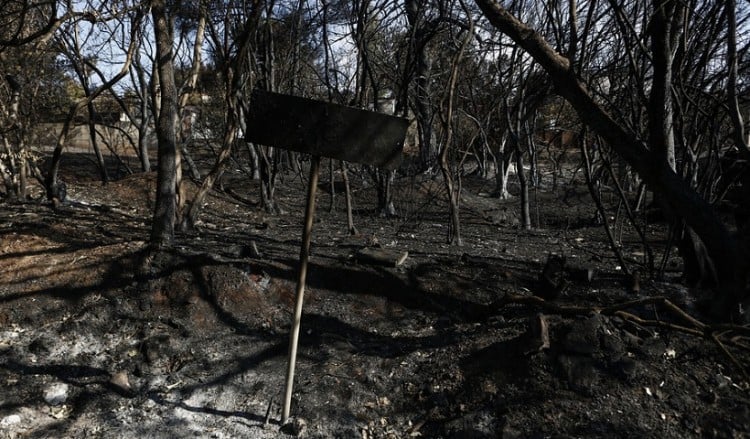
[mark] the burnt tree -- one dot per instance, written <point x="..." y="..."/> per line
<point x="646" y="159"/>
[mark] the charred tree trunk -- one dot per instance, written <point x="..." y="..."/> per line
<point x="424" y="109"/>
<point x="332" y="185"/>
<point x="383" y="182"/>
<point x="453" y="190"/>
<point x="531" y="148"/>
<point x="13" y="177"/>
<point x="523" y="184"/>
<point x="267" y="178"/>
<point x="95" y="141"/>
<point x="419" y="69"/>
<point x="52" y="183"/>
<point x="596" y="196"/>
<point x="162" y="230"/>
<point x="664" y="32"/>
<point x="515" y="130"/>
<point x="348" y="195"/>
<point x="144" y="118"/>
<point x="186" y="127"/>
<point x="196" y="204"/>
<point x="661" y="112"/>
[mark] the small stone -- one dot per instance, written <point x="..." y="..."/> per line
<point x="121" y="383"/>
<point x="60" y="412"/>
<point x="10" y="420"/>
<point x="56" y="394"/>
<point x="120" y="379"/>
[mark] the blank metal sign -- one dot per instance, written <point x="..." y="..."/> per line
<point x="325" y="129"/>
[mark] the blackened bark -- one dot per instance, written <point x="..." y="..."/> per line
<point x="162" y="230"/>
<point x="664" y="24"/>
<point x="420" y="35"/>
<point x="524" y="188"/>
<point x="348" y="195"/>
<point x="424" y="109"/>
<point x="143" y="121"/>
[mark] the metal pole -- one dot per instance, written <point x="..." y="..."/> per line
<point x="304" y="255"/>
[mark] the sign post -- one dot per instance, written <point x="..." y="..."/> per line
<point x="320" y="129"/>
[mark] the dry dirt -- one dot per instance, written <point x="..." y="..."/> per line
<point x="98" y="338"/>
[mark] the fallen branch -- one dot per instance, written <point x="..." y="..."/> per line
<point x="732" y="358"/>
<point x="721" y="334"/>
<point x="657" y="323"/>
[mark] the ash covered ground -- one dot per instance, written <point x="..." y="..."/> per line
<point x="100" y="338"/>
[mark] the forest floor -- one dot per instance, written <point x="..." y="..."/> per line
<point x="98" y="340"/>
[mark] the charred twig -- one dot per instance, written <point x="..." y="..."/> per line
<point x="732" y="358"/>
<point x="269" y="410"/>
<point x="741" y="330"/>
<point x="656" y="300"/>
<point x="547" y="306"/>
<point x="600" y="206"/>
<point x="720" y="334"/>
<point x="658" y="323"/>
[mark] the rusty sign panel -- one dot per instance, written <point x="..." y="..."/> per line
<point x="325" y="129"/>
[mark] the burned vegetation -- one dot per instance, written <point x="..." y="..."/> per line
<point x="516" y="333"/>
<point x="374" y="219"/>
